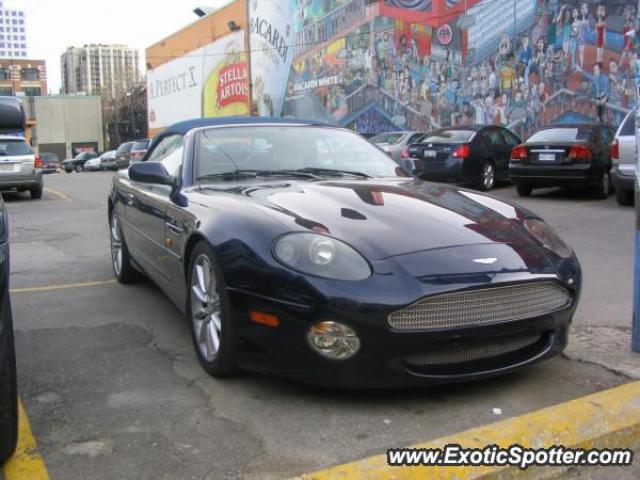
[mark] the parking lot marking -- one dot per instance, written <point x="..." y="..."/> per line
<point x="50" y="288"/>
<point x="26" y="463"/>
<point x="63" y="196"/>
<point x="608" y="419"/>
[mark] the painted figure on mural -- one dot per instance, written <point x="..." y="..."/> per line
<point x="601" y="31"/>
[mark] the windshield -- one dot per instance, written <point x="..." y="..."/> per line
<point x="85" y="156"/>
<point x="449" y="136"/>
<point x="49" y="157"/>
<point x="561" y="135"/>
<point x="270" y="149"/>
<point x="390" y="138"/>
<point x="124" y="148"/>
<point x="14" y="147"/>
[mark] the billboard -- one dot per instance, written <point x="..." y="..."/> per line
<point x="271" y="39"/>
<point x="212" y="81"/>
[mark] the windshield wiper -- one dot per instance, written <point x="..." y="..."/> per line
<point x="332" y="171"/>
<point x="236" y="174"/>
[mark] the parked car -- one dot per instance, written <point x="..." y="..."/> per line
<point x="476" y="156"/>
<point x="20" y="168"/>
<point x="396" y="143"/>
<point x="92" y="165"/>
<point x="576" y="155"/>
<point x="77" y="164"/>
<point x="108" y="160"/>
<point x="624" y="152"/>
<point x="138" y="150"/>
<point x="123" y="155"/>
<point x="280" y="256"/>
<point x="8" y="384"/>
<point x="50" y="163"/>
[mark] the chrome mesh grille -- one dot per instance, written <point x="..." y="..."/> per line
<point x="487" y="306"/>
<point x="469" y="352"/>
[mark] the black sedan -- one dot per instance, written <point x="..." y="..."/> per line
<point x="50" y="163"/>
<point x="8" y="387"/>
<point x="76" y="164"/>
<point x="476" y="156"/>
<point x="564" y="156"/>
<point x="303" y="251"/>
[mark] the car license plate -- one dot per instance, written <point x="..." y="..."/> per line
<point x="430" y="154"/>
<point x="547" y="157"/>
<point x="6" y="167"/>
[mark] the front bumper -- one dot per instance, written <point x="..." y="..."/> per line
<point x="556" y="175"/>
<point x="382" y="361"/>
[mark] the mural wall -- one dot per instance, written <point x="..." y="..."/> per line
<point x="417" y="64"/>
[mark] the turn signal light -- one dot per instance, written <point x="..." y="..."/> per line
<point x="38" y="162"/>
<point x="580" y="153"/>
<point x="265" y="319"/>
<point x="463" y="151"/>
<point x="519" y="153"/>
<point x="615" y="150"/>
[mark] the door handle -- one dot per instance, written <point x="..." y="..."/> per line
<point x="177" y="229"/>
<point x="129" y="199"/>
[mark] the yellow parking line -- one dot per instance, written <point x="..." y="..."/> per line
<point x="607" y="419"/>
<point x="26" y="463"/>
<point x="68" y="286"/>
<point x="63" y="196"/>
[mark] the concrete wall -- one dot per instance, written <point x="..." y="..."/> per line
<point x="68" y="120"/>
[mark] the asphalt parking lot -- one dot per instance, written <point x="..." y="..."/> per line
<point x="113" y="389"/>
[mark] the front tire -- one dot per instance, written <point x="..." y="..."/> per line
<point x="209" y="309"/>
<point x="8" y="392"/>
<point x="78" y="168"/>
<point x="603" y="189"/>
<point x="123" y="269"/>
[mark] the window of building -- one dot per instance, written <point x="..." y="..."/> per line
<point x="5" y="73"/>
<point x="30" y="74"/>
<point x="6" y="91"/>
<point x="32" y="91"/>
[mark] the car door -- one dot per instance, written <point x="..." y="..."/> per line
<point x="148" y="208"/>
<point x="499" y="150"/>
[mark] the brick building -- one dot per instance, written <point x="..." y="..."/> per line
<point x="23" y="77"/>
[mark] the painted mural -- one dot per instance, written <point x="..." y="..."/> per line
<point x="419" y="64"/>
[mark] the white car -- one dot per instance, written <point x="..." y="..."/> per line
<point x="623" y="157"/>
<point x="95" y="164"/>
<point x="20" y="168"/>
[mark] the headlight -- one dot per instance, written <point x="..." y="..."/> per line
<point x="547" y="237"/>
<point x="321" y="256"/>
<point x="333" y="340"/>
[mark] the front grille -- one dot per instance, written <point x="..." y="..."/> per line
<point x="472" y="351"/>
<point x="473" y="308"/>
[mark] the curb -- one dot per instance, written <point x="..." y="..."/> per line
<point x="608" y="419"/>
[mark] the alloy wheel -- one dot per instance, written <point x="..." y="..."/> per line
<point x="206" y="309"/>
<point x="116" y="245"/>
<point x="488" y="176"/>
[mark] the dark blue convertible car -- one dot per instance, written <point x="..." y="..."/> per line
<point x="303" y="251"/>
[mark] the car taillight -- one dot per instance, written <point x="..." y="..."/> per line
<point x="404" y="153"/>
<point x="463" y="151"/>
<point x="580" y="153"/>
<point x="519" y="153"/>
<point x="38" y="162"/>
<point x="615" y="150"/>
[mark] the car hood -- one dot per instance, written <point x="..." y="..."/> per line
<point x="385" y="218"/>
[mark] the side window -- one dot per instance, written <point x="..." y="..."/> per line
<point x="169" y="153"/>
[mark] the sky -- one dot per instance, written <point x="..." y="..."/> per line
<point x="54" y="25"/>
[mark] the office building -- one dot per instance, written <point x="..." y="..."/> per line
<point x="13" y="32"/>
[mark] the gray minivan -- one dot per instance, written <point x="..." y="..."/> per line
<point x="623" y="158"/>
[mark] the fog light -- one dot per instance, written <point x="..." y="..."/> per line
<point x="333" y="340"/>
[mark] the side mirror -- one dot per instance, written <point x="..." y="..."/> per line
<point x="151" y="172"/>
